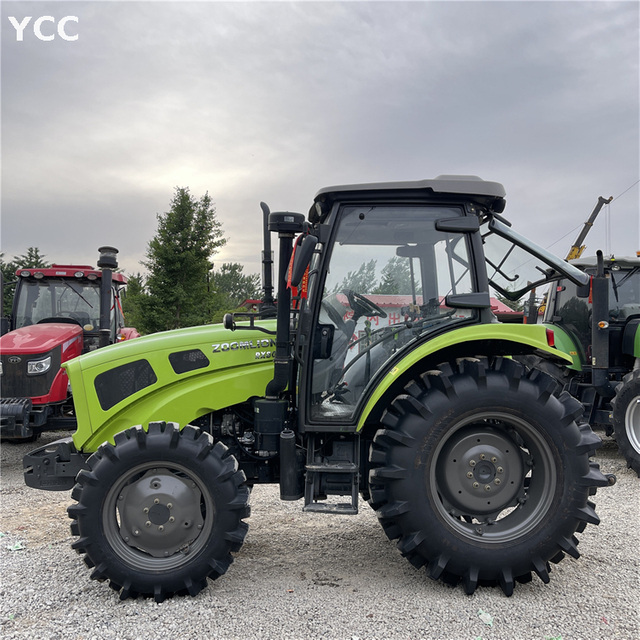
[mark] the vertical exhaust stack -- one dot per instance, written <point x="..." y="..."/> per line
<point x="600" y="330"/>
<point x="107" y="262"/>
<point x="268" y="307"/>
<point x="286" y="225"/>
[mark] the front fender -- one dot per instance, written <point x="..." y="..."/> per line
<point x="532" y="337"/>
<point x="231" y="368"/>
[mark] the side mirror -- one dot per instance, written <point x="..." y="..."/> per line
<point x="583" y="291"/>
<point x="302" y="259"/>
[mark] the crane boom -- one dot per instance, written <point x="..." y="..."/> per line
<point x="577" y="248"/>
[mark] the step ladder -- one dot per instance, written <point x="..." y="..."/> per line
<point x="319" y="476"/>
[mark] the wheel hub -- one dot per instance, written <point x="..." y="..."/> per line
<point x="480" y="471"/>
<point x="160" y="513"/>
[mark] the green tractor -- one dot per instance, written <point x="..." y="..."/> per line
<point x="381" y="372"/>
<point x="598" y="325"/>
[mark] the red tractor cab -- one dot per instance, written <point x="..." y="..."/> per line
<point x="59" y="312"/>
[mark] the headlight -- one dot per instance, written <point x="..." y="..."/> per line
<point x="36" y="367"/>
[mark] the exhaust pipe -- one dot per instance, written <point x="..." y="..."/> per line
<point x="107" y="262"/>
<point x="600" y="331"/>
<point x="267" y="308"/>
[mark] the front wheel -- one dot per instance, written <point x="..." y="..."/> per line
<point x="160" y="511"/>
<point x="626" y="419"/>
<point x="482" y="473"/>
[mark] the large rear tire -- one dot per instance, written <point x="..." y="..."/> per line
<point x="626" y="419"/>
<point x="160" y="511"/>
<point x="482" y="474"/>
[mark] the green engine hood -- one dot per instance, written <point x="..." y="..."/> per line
<point x="186" y="373"/>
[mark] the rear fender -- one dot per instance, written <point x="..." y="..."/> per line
<point x="487" y="339"/>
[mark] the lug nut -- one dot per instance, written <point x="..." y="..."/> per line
<point x="499" y="469"/>
<point x="482" y="456"/>
<point x="487" y="487"/>
<point x="169" y="505"/>
<point x="469" y="474"/>
<point x="145" y="510"/>
<point x="156" y="501"/>
<point x="497" y="481"/>
<point x="161" y="528"/>
<point x="472" y="463"/>
<point x="494" y="459"/>
<point x="147" y="523"/>
<point x="171" y="519"/>
<point x="475" y="485"/>
<point x="136" y="532"/>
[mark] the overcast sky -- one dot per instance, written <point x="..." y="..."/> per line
<point x="272" y="101"/>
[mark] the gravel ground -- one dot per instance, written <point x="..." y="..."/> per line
<point x="315" y="576"/>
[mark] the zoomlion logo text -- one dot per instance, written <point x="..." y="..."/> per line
<point x="248" y="344"/>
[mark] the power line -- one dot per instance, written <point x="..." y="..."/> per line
<point x="625" y="191"/>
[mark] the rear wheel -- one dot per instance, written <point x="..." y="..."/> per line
<point x="160" y="511"/>
<point x="482" y="473"/>
<point x="626" y="419"/>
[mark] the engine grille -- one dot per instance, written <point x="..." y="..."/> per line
<point x="15" y="383"/>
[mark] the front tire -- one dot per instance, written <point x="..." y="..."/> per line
<point x="160" y="511"/>
<point x="626" y="419"/>
<point x="482" y="473"/>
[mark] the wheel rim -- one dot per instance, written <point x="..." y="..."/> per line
<point x="632" y="423"/>
<point x="156" y="517"/>
<point x="494" y="478"/>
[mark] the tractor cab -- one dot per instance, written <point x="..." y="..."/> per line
<point x="67" y="294"/>
<point x="570" y="308"/>
<point x="392" y="273"/>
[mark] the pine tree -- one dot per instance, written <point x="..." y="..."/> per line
<point x="230" y="288"/>
<point x="32" y="259"/>
<point x="178" y="261"/>
<point x="361" y="281"/>
<point x="396" y="278"/>
<point x="132" y="301"/>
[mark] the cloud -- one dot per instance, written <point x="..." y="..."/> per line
<point x="272" y="101"/>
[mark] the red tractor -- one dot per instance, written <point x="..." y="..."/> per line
<point x="59" y="312"/>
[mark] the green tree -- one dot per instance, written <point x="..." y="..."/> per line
<point x="132" y="301"/>
<point x="361" y="281"/>
<point x="396" y="278"/>
<point x="230" y="288"/>
<point x="179" y="264"/>
<point x="31" y="259"/>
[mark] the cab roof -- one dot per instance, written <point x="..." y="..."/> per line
<point x="624" y="262"/>
<point x="68" y="271"/>
<point x="490" y="194"/>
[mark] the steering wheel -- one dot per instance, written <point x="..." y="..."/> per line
<point x="363" y="306"/>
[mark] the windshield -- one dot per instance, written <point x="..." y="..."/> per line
<point x="58" y="298"/>
<point x="516" y="265"/>
<point x="387" y="283"/>
<point x="624" y="293"/>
